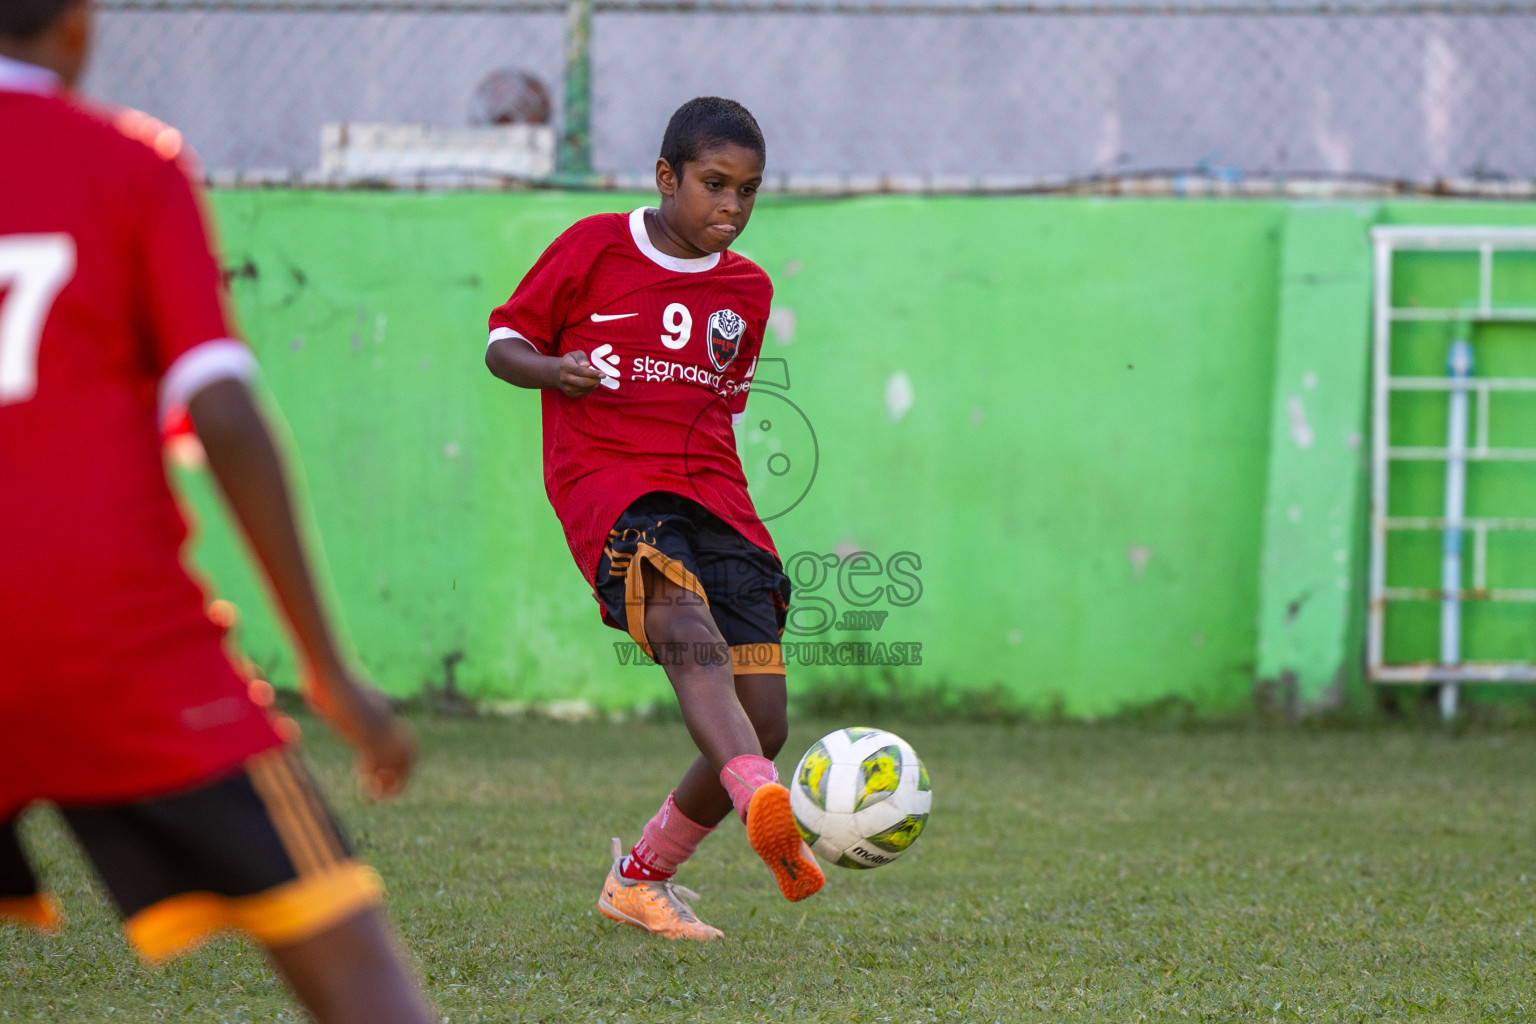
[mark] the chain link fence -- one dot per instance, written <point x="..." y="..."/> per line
<point x="1237" y="97"/>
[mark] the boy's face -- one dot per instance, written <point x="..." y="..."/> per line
<point x="709" y="205"/>
<point x="62" y="47"/>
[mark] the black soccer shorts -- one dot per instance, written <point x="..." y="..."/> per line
<point x="743" y="586"/>
<point x="256" y="851"/>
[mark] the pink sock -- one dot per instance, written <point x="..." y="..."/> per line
<point x="669" y="839"/>
<point x="742" y="776"/>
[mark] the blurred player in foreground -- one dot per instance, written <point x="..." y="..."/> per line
<point x="643" y="331"/>
<point x="117" y="701"/>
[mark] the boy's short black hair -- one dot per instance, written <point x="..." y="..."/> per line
<point x="705" y="123"/>
<point x="26" y="19"/>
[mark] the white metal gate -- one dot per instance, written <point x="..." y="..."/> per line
<point x="1467" y="442"/>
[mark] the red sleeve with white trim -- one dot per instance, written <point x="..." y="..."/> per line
<point x="181" y="287"/>
<point x="541" y="304"/>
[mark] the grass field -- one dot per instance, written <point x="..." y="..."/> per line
<point x="1068" y="874"/>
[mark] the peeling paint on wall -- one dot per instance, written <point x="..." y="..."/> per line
<point x="898" y="396"/>
<point x="781" y="322"/>
<point x="1301" y="431"/>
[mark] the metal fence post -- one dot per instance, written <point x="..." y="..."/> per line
<point x="574" y="157"/>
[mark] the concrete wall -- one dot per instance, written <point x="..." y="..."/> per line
<point x="1047" y="422"/>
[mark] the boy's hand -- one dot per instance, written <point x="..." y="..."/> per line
<point x="578" y="378"/>
<point x="518" y="363"/>
<point x="385" y="748"/>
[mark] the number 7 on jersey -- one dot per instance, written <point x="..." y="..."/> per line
<point x="33" y="270"/>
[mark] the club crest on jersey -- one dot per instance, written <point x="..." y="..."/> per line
<point x="725" y="331"/>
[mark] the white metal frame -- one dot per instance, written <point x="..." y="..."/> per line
<point x="1485" y="242"/>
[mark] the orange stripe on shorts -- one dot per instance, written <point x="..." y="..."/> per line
<point x="298" y="842"/>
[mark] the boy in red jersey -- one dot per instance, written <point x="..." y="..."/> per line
<point x="643" y="332"/>
<point x="117" y="701"/>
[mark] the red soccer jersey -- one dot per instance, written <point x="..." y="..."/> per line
<point x="113" y="683"/>
<point x="677" y="340"/>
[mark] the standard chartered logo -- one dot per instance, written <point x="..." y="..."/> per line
<point x="651" y="368"/>
<point x="608" y="364"/>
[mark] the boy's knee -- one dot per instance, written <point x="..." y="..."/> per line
<point x="772" y="730"/>
<point x="772" y="741"/>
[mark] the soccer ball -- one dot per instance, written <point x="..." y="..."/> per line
<point x="860" y="797"/>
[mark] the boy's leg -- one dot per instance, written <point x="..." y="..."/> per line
<point x="352" y="973"/>
<point x="724" y="733"/>
<point x="648" y="582"/>
<point x="676" y="620"/>
<point x="763" y="697"/>
<point x="700" y="802"/>
<point x="724" y="715"/>
<point x="255" y="851"/>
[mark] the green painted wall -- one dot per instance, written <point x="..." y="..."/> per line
<point x="1316" y="515"/>
<point x="1313" y="564"/>
<point x="1056" y="414"/>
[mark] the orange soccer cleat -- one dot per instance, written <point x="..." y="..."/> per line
<point x="772" y="831"/>
<point x="656" y="907"/>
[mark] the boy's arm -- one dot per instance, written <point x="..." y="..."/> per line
<point x="246" y="464"/>
<point x="517" y="362"/>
